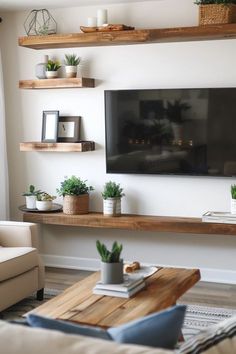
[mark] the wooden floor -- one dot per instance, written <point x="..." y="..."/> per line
<point x="208" y="294"/>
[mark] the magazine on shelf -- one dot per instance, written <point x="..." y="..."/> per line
<point x="219" y="217"/>
<point x="130" y="282"/>
<point x="125" y="294"/>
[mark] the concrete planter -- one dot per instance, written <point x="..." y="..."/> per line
<point x="233" y="206"/>
<point x="112" y="206"/>
<point x="71" y="71"/>
<point x="112" y="273"/>
<point x="51" y="74"/>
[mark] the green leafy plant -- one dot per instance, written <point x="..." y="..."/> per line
<point x="107" y="256"/>
<point x="71" y="60"/>
<point x="112" y="190"/>
<point x="44" y="196"/>
<point x="31" y="191"/>
<point x="74" y="186"/>
<point x="208" y="2"/>
<point x="52" y="65"/>
<point x="233" y="191"/>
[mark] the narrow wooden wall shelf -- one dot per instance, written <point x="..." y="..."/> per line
<point x="58" y="147"/>
<point x="133" y="222"/>
<point x="178" y="34"/>
<point x="77" y="82"/>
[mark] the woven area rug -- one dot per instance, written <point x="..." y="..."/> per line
<point x="197" y="317"/>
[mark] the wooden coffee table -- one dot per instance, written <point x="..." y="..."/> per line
<point x="79" y="304"/>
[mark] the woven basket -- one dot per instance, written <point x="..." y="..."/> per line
<point x="215" y="14"/>
<point x="76" y="204"/>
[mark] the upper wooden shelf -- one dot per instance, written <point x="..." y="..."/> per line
<point x="58" y="147"/>
<point x="133" y="222"/>
<point x="77" y="82"/>
<point x="177" y="34"/>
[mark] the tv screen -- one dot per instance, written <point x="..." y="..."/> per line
<point x="171" y="131"/>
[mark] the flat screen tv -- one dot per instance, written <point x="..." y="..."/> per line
<point x="171" y="131"/>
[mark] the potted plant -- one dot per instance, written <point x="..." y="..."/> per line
<point x="233" y="199"/>
<point x="216" y="11"/>
<point x="52" y="69"/>
<point x="112" y="194"/>
<point x="44" y="201"/>
<point x="30" y="197"/>
<point x="71" y="63"/>
<point x="111" y="263"/>
<point x="174" y="112"/>
<point x="75" y="194"/>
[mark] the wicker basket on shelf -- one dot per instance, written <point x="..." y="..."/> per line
<point x="214" y="14"/>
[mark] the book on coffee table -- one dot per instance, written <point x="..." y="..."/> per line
<point x="125" y="294"/>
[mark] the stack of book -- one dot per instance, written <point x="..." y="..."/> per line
<point x="219" y="217"/>
<point x="132" y="284"/>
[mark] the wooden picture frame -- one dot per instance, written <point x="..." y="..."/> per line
<point x="50" y="126"/>
<point x="69" y="129"/>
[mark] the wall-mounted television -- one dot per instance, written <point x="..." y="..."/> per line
<point x="171" y="131"/>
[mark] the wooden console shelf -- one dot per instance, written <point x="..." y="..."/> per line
<point x="58" y="147"/>
<point x="178" y="34"/>
<point x="77" y="82"/>
<point x="133" y="222"/>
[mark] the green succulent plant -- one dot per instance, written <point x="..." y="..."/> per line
<point x="31" y="191"/>
<point x="233" y="191"/>
<point x="73" y="186"/>
<point x="107" y="256"/>
<point x="112" y="190"/>
<point x="52" y="65"/>
<point x="44" y="196"/>
<point x="72" y="60"/>
<point x="208" y="2"/>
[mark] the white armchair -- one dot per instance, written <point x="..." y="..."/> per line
<point x="21" y="269"/>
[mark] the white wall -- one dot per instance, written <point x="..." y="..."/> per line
<point x="190" y="64"/>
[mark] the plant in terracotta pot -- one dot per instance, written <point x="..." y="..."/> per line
<point x="31" y="196"/>
<point x="112" y="194"/>
<point x="111" y="263"/>
<point x="216" y="11"/>
<point x="44" y="201"/>
<point x="52" y="69"/>
<point x="233" y="199"/>
<point x="71" y="63"/>
<point x="75" y="194"/>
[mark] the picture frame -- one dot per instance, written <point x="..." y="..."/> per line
<point x="69" y="129"/>
<point x="50" y="126"/>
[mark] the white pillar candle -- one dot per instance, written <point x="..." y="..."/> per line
<point x="92" y="21"/>
<point x="101" y="17"/>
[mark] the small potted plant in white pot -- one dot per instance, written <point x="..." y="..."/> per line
<point x="71" y="63"/>
<point x="75" y="194"/>
<point x="112" y="194"/>
<point x="52" y="69"/>
<point x="111" y="263"/>
<point x="233" y="199"/>
<point x="31" y="196"/>
<point x="44" y="201"/>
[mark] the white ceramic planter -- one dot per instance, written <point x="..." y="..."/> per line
<point x="43" y="205"/>
<point x="233" y="206"/>
<point x="30" y="201"/>
<point x="71" y="71"/>
<point x="112" y="206"/>
<point x="51" y="74"/>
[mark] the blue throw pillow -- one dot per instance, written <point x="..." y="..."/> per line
<point x="161" y="329"/>
<point x="63" y="326"/>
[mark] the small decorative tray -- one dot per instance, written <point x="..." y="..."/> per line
<point x="145" y="271"/>
<point x="106" y="28"/>
<point x="55" y="208"/>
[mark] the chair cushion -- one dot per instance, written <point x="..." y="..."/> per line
<point x="16" y="260"/>
<point x="161" y="329"/>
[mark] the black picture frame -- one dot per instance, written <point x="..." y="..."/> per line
<point x="50" y="126"/>
<point x="69" y="129"/>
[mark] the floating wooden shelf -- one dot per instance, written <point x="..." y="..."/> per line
<point x="77" y="82"/>
<point x="58" y="147"/>
<point x="133" y="222"/>
<point x="177" y="34"/>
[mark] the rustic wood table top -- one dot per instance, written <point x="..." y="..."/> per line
<point x="79" y="304"/>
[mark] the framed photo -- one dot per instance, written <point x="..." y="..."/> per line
<point x="50" y="126"/>
<point x="69" y="129"/>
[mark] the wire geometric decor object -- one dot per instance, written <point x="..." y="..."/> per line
<point x="40" y="22"/>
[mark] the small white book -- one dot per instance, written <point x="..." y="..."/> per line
<point x="125" y="294"/>
<point x="130" y="282"/>
<point x="219" y="217"/>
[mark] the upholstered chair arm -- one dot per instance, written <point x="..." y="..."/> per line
<point x="18" y="234"/>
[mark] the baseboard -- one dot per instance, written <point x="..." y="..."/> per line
<point x="207" y="274"/>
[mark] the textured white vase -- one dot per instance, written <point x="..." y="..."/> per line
<point x="30" y="201"/>
<point x="71" y="71"/>
<point x="112" y="206"/>
<point x="233" y="206"/>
